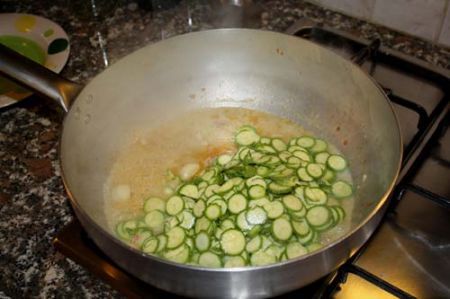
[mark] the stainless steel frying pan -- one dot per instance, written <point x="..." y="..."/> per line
<point x="267" y="71"/>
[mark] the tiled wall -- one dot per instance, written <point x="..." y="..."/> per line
<point x="429" y="19"/>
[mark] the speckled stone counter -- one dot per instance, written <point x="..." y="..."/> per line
<point x="33" y="204"/>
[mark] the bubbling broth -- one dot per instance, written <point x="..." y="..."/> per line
<point x="197" y="137"/>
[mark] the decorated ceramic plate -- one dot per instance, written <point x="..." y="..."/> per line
<point x="34" y="37"/>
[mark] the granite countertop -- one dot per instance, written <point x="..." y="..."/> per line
<point x="33" y="204"/>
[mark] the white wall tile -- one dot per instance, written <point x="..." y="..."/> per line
<point x="358" y="8"/>
<point x="417" y="17"/>
<point x="444" y="37"/>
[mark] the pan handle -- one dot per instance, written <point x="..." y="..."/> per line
<point x="37" y="78"/>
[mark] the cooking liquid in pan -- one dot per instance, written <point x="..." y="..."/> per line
<point x="198" y="136"/>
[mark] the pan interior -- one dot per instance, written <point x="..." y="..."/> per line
<point x="265" y="71"/>
<point x="195" y="137"/>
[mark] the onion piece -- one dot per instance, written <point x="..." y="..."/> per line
<point x="188" y="171"/>
<point x="121" y="192"/>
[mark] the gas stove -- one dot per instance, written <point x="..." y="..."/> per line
<point x="409" y="254"/>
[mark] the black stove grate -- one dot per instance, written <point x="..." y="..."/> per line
<point x="429" y="129"/>
<point x="397" y="195"/>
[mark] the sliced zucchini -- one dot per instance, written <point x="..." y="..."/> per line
<point x="336" y="162"/>
<point x="232" y="242"/>
<point x="227" y="224"/>
<point x="261" y="258"/>
<point x="229" y="194"/>
<point x="227" y="186"/>
<point x="265" y="140"/>
<point x="224" y="159"/>
<point x="222" y="204"/>
<point x="334" y="214"/>
<point x="178" y="255"/>
<point x="202" y="242"/>
<point x="175" y="237"/>
<point x="122" y="232"/>
<point x="213" y="212"/>
<point x="237" y="181"/>
<point x="188" y="220"/>
<point x="292" y="203"/>
<point x="260" y="202"/>
<point x="265" y="203"/>
<point x="294" y="162"/>
<point x="262" y="171"/>
<point x="308" y="238"/>
<point x="279" y="144"/>
<point x="211" y="190"/>
<point x="170" y="223"/>
<point x="315" y="170"/>
<point x="162" y="242"/>
<point x="341" y="189"/>
<point x="274" y="161"/>
<point x="304" y="156"/>
<point x="313" y="247"/>
<point x="141" y="235"/>
<point x="154" y="203"/>
<point x="254" y="244"/>
<point x="209" y="175"/>
<point x="328" y="177"/>
<point x="316" y="196"/>
<point x="256" y="191"/>
<point x="338" y="213"/>
<point x="247" y="137"/>
<point x="189" y="203"/>
<point x="300" y="192"/>
<point x="321" y="158"/>
<point x="189" y="190"/>
<point x="175" y="205"/>
<point x="319" y="146"/>
<point x="294" y="148"/>
<point x="267" y="149"/>
<point x="306" y="142"/>
<point x="202" y="224"/>
<point x="256" y="180"/>
<point x="281" y="229"/>
<point x="234" y="262"/>
<point x="275" y="250"/>
<point x="274" y="209"/>
<point x="150" y="245"/>
<point x="295" y="249"/>
<point x="155" y="221"/>
<point x="242" y="222"/>
<point x="279" y="189"/>
<point x="301" y="227"/>
<point x="284" y="156"/>
<point x="199" y="208"/>
<point x="256" y="215"/>
<point x="243" y="153"/>
<point x="318" y="216"/>
<point x="237" y="203"/>
<point x="210" y="260"/>
<point x="327" y="225"/>
<point x="303" y="175"/>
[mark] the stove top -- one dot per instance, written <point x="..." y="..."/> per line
<point x="409" y="254"/>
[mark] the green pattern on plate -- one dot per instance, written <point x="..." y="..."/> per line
<point x="25" y="47"/>
<point x="49" y="32"/>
